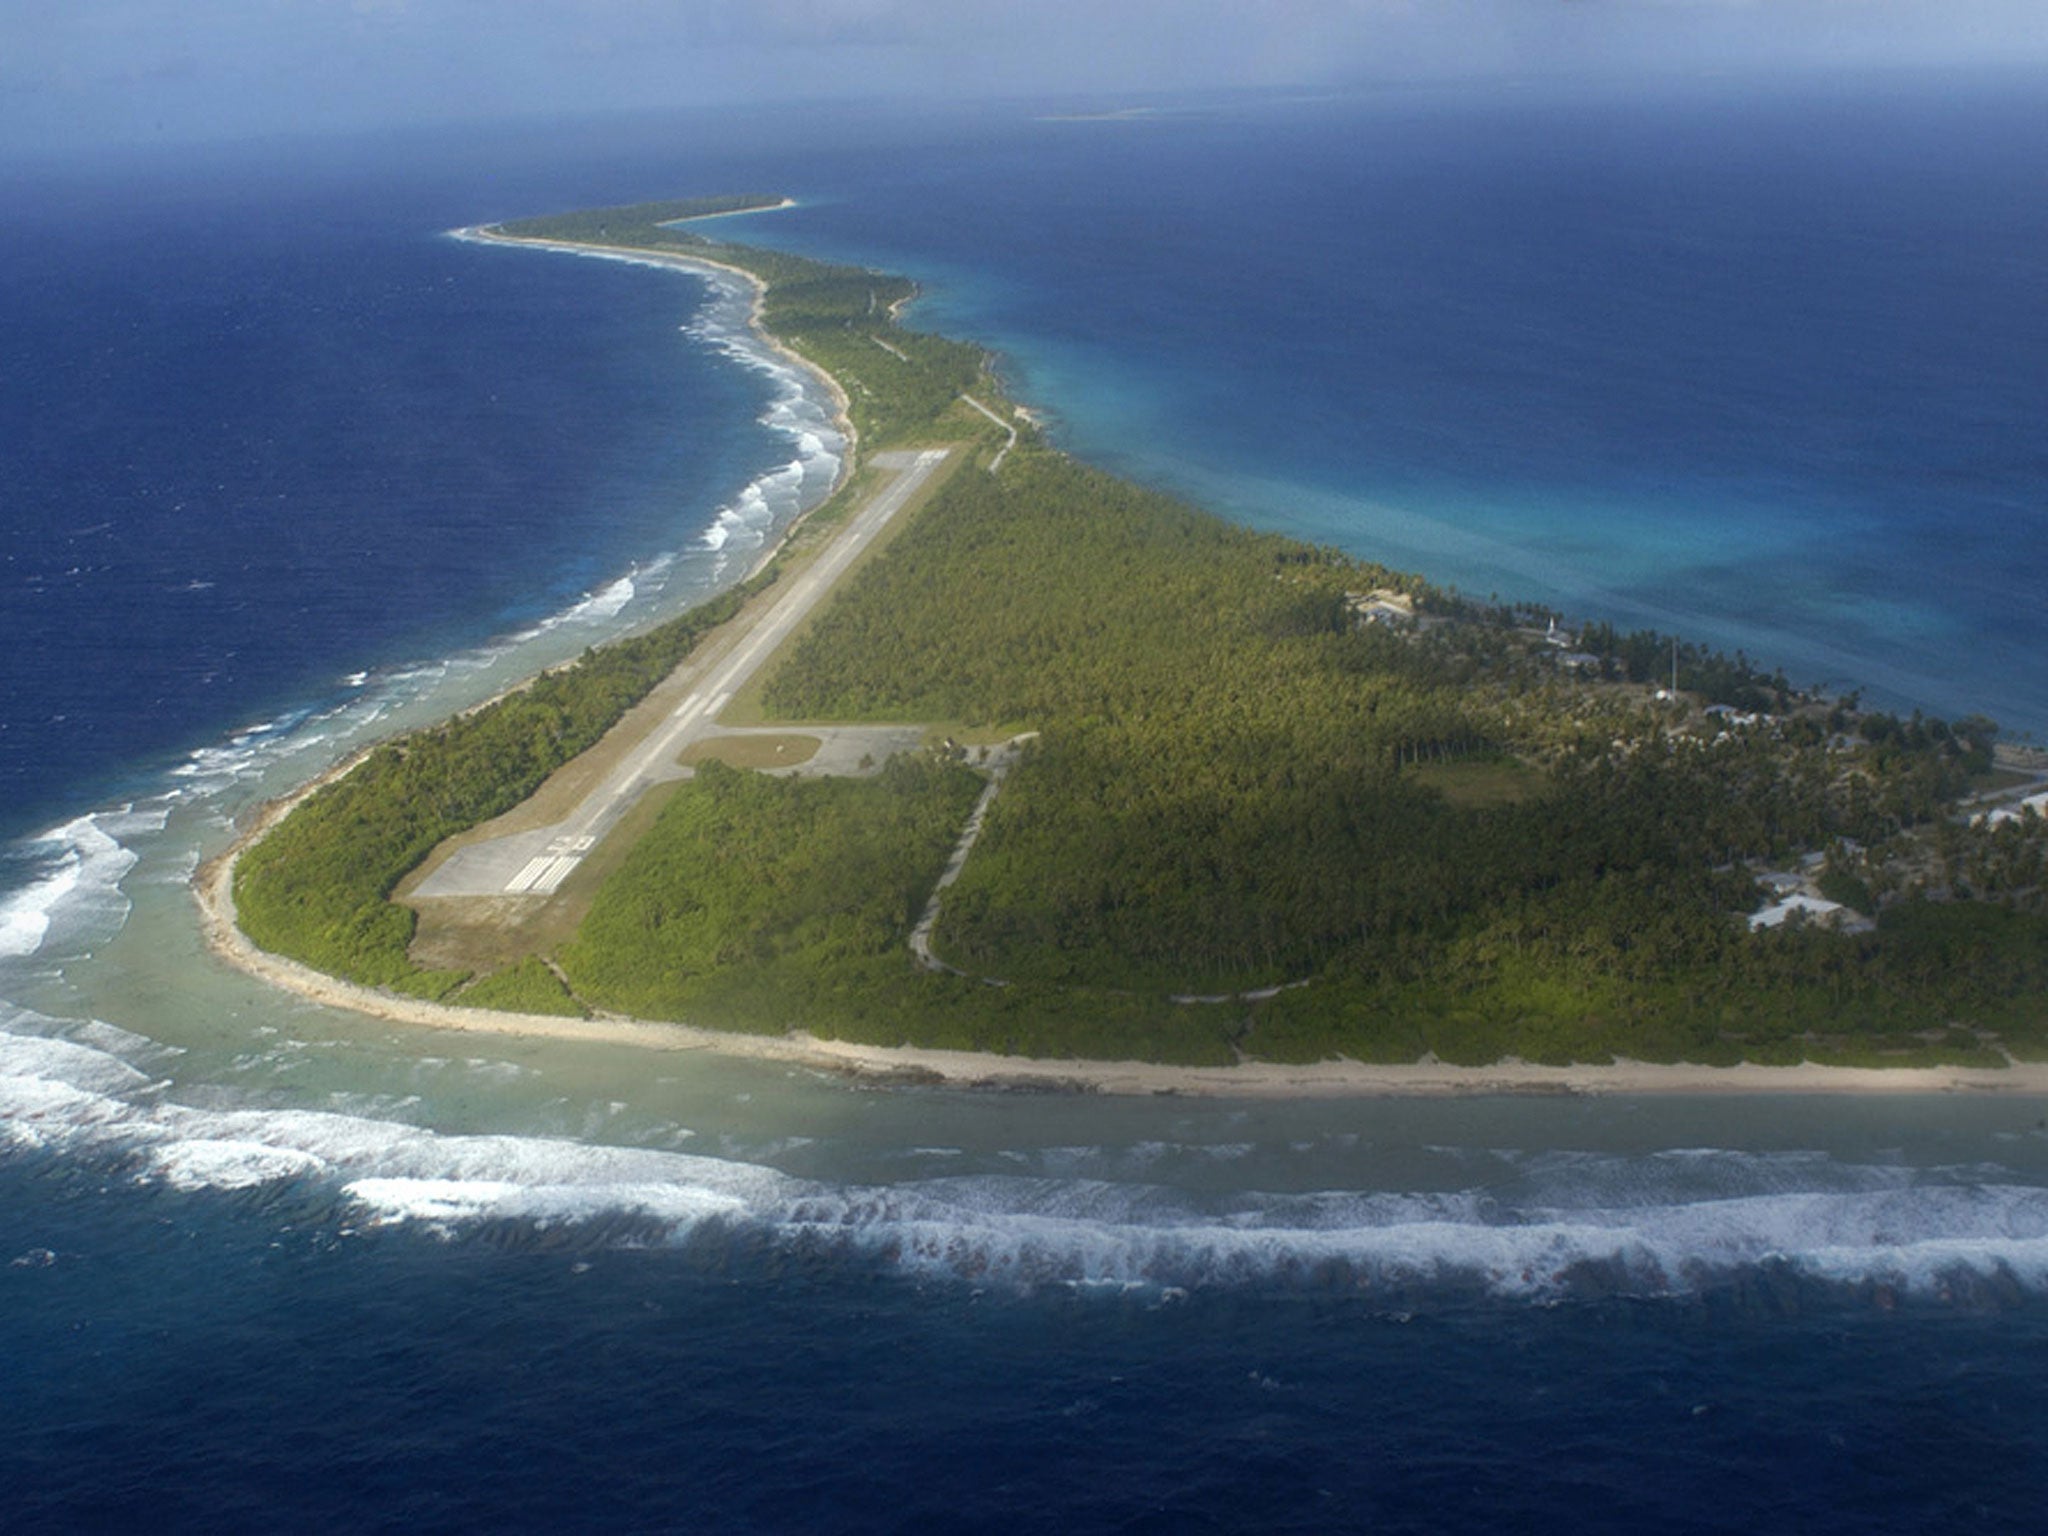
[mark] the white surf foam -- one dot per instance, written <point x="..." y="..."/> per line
<point x="1570" y="1224"/>
<point x="446" y="1204"/>
<point x="249" y="753"/>
<point x="52" y="1059"/>
<point x="607" y="602"/>
<point x="79" y="880"/>
<point x="228" y="1164"/>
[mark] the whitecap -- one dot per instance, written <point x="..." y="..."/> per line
<point x="445" y="1204"/>
<point x="245" y="755"/>
<point x="77" y="881"/>
<point x="1573" y="1225"/>
<point x="228" y="1165"/>
<point x="45" y="1113"/>
<point x="606" y="602"/>
<point x="53" y="1059"/>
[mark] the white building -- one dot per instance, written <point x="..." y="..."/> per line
<point x="1817" y="910"/>
<point x="2038" y="804"/>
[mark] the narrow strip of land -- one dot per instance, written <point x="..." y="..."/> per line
<point x="535" y="863"/>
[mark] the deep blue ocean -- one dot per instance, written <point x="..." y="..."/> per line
<point x="283" y="468"/>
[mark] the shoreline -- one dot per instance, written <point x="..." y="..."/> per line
<point x="842" y="414"/>
<point x="212" y="885"/>
<point x="916" y="1066"/>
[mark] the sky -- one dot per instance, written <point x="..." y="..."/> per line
<point x="82" y="72"/>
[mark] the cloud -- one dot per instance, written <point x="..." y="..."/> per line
<point x="83" y="67"/>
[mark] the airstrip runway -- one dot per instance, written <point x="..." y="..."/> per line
<point x="536" y="862"/>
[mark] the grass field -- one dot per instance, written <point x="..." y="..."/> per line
<point x="1481" y="784"/>
<point x="781" y="751"/>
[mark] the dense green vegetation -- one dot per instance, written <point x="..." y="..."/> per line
<point x="317" y="887"/>
<point x="777" y="877"/>
<point x="1251" y="822"/>
<point x="1219" y="800"/>
<point x="768" y="904"/>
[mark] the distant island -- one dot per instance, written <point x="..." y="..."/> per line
<point x="1002" y="754"/>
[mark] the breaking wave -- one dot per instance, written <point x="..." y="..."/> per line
<point x="73" y="879"/>
<point x="797" y="412"/>
<point x="1541" y="1228"/>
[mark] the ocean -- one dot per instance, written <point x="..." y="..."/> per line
<point x="287" y="469"/>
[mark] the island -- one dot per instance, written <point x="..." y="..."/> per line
<point x="1005" y="769"/>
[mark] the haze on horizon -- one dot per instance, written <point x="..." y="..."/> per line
<point x="77" y="74"/>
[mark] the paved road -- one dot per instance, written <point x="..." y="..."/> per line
<point x="536" y="863"/>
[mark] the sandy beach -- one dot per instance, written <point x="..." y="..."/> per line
<point x="213" y="885"/>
